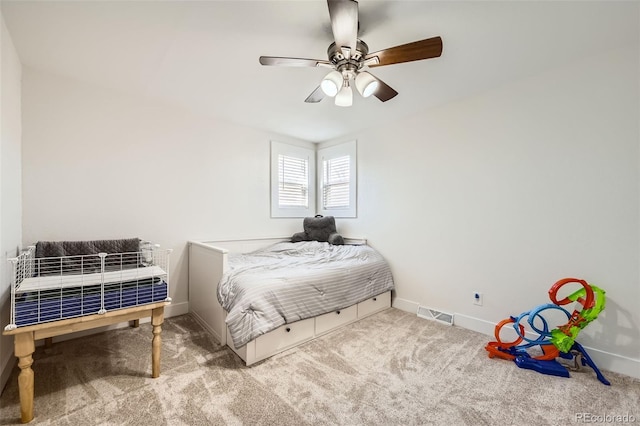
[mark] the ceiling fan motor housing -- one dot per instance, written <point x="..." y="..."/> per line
<point x="345" y="60"/>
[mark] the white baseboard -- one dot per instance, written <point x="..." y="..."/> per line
<point x="405" y="305"/>
<point x="9" y="363"/>
<point x="604" y="360"/>
<point x="475" y="324"/>
<point x="176" y="309"/>
<point x="173" y="310"/>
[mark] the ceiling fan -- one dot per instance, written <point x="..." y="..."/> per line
<point x="348" y="55"/>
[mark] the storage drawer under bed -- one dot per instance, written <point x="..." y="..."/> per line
<point x="335" y="319"/>
<point x="283" y="337"/>
<point x="374" y="304"/>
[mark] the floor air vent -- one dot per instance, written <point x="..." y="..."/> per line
<point x="432" y="314"/>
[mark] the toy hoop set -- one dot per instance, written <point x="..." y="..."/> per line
<point x="558" y="342"/>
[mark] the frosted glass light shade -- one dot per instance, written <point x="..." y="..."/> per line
<point x="366" y="84"/>
<point x="332" y="83"/>
<point x="344" y="98"/>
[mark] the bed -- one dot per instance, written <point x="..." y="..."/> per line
<point x="263" y="296"/>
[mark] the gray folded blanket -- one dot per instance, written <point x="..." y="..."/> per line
<point x="77" y="248"/>
<point x="66" y="257"/>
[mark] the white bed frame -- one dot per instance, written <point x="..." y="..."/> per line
<point x="207" y="263"/>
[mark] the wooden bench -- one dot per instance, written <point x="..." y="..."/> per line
<point x="25" y="337"/>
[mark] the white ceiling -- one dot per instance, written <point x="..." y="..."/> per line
<point x="204" y="55"/>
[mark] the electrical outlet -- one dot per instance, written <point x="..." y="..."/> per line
<point x="477" y="298"/>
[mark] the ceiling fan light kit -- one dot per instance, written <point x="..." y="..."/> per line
<point x="332" y="83"/>
<point x="344" y="98"/>
<point x="366" y="84"/>
<point x="348" y="55"/>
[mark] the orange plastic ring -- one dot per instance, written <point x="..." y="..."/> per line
<point x="499" y="326"/>
<point x="553" y="292"/>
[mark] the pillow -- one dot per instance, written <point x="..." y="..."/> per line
<point x="319" y="228"/>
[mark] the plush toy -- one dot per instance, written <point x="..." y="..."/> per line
<point x="319" y="228"/>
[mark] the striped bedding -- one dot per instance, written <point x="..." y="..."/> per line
<point x="286" y="282"/>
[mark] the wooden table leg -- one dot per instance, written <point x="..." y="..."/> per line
<point x="157" y="318"/>
<point x="24" y="348"/>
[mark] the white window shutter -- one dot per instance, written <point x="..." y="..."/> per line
<point x="292" y="180"/>
<point x="335" y="191"/>
<point x="337" y="182"/>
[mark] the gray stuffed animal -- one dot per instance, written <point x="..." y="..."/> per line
<point x="319" y="228"/>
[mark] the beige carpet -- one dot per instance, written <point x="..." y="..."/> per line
<point x="390" y="369"/>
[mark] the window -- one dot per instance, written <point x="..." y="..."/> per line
<point x="335" y="175"/>
<point x="337" y="183"/>
<point x="292" y="180"/>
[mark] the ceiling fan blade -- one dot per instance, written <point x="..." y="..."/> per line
<point x="315" y="96"/>
<point x="423" y="49"/>
<point x="293" y="62"/>
<point x="344" y="22"/>
<point x="384" y="92"/>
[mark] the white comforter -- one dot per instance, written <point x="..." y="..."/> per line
<point x="287" y="282"/>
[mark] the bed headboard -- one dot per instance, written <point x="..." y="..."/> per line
<point x="251" y="244"/>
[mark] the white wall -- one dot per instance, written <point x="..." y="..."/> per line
<point x="10" y="172"/>
<point x="100" y="164"/>
<point x="508" y="192"/>
<point x="504" y="193"/>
